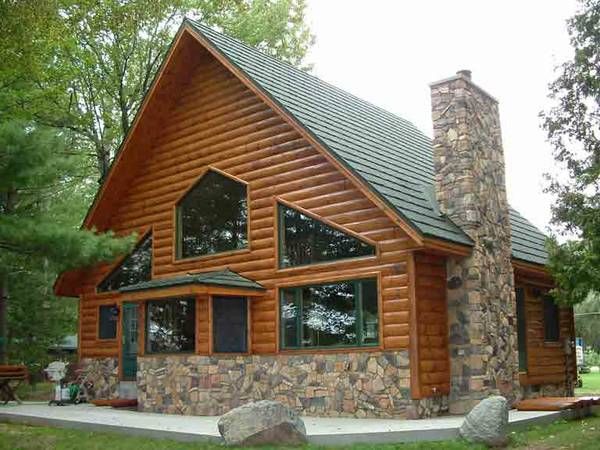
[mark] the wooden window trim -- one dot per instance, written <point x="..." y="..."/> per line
<point x="277" y="237"/>
<point x="176" y="258"/>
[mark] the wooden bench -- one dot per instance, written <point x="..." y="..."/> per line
<point x="10" y="379"/>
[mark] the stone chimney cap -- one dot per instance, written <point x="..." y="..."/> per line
<point x="464" y="73"/>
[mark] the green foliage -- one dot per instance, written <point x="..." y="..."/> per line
<point x="97" y="59"/>
<point x="35" y="168"/>
<point x="572" y="126"/>
<point x="586" y="324"/>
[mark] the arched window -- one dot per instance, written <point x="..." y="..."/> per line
<point x="135" y="268"/>
<point x="212" y="217"/>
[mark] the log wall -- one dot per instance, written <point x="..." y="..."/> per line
<point x="547" y="362"/>
<point x="431" y="307"/>
<point x="216" y="122"/>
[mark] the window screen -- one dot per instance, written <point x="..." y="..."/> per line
<point x="107" y="324"/>
<point x="230" y="324"/>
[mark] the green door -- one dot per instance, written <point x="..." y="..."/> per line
<point x="130" y="337"/>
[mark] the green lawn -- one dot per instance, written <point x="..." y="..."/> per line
<point x="591" y="384"/>
<point x="583" y="434"/>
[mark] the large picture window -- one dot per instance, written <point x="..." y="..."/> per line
<point x="213" y="217"/>
<point x="135" y="268"/>
<point x="170" y="326"/>
<point x="304" y="240"/>
<point x="330" y="315"/>
<point x="551" y="320"/>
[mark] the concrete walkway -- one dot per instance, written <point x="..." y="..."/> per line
<point x="323" y="431"/>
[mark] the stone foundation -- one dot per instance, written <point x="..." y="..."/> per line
<point x="362" y="384"/>
<point x="428" y="407"/>
<point x="547" y="390"/>
<point x="104" y="373"/>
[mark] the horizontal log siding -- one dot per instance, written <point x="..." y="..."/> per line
<point x="218" y="122"/>
<point x="546" y="361"/>
<point x="432" y="324"/>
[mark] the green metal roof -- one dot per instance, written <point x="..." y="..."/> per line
<point x="389" y="153"/>
<point x="219" y="278"/>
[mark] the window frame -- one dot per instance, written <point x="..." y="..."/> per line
<point x="177" y="257"/>
<point x="279" y="237"/>
<point x="147" y="347"/>
<point x="546" y="300"/>
<point x="117" y="322"/>
<point x="376" y="277"/>
<point x="117" y="265"/>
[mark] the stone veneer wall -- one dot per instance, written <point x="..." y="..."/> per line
<point x="471" y="191"/>
<point x="104" y="373"/>
<point x="361" y="384"/>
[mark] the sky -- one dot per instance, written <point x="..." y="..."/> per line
<point x="388" y="51"/>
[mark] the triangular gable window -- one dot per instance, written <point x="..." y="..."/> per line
<point x="135" y="268"/>
<point x="304" y="240"/>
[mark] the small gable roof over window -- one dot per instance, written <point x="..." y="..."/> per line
<point x="223" y="278"/>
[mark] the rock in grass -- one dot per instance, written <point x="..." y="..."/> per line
<point x="261" y="423"/>
<point x="487" y="423"/>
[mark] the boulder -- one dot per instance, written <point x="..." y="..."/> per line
<point x="261" y="423"/>
<point x="487" y="423"/>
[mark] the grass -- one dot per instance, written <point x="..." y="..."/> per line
<point x="591" y="384"/>
<point x="574" y="435"/>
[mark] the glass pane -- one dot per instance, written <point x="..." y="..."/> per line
<point x="107" y="328"/>
<point x="289" y="318"/>
<point x="370" y="316"/>
<point x="170" y="326"/>
<point x="137" y="267"/>
<point x="521" y="328"/>
<point x="328" y="315"/>
<point x="307" y="241"/>
<point x="551" y="320"/>
<point x="213" y="217"/>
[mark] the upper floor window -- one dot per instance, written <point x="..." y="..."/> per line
<point x="135" y="268"/>
<point x="213" y="217"/>
<point x="304" y="240"/>
<point x="551" y="320"/>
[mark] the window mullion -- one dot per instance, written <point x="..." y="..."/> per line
<point x="299" y="317"/>
<point x="358" y="312"/>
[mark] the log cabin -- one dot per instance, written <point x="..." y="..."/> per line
<point x="297" y="243"/>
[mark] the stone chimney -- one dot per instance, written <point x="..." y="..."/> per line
<point x="471" y="191"/>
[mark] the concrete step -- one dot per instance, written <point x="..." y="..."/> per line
<point x="127" y="389"/>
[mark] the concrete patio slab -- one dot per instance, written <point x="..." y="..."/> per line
<point x="321" y="430"/>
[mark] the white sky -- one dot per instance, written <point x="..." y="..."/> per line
<point x="387" y="52"/>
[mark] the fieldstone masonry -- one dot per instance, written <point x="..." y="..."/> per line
<point x="471" y="191"/>
<point x="360" y="384"/>
<point x="104" y="373"/>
